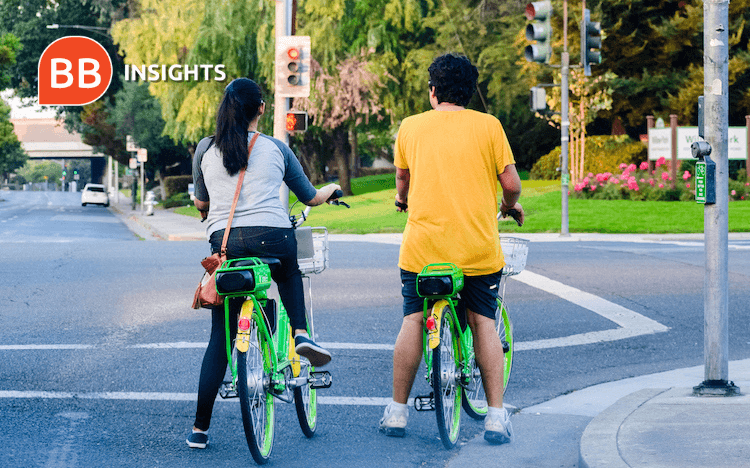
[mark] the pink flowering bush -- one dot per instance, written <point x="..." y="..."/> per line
<point x="637" y="183"/>
<point x="634" y="182"/>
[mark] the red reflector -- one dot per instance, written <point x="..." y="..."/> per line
<point x="430" y="324"/>
<point x="244" y="324"/>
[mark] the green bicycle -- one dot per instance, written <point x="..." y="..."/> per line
<point x="263" y="362"/>
<point x="452" y="371"/>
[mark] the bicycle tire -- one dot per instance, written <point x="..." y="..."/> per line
<point x="474" y="399"/>
<point x="306" y="401"/>
<point x="256" y="403"/>
<point x="445" y="370"/>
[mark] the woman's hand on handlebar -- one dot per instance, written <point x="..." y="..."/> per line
<point x="324" y="194"/>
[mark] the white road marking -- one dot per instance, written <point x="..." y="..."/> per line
<point x="631" y="323"/>
<point x="156" y="396"/>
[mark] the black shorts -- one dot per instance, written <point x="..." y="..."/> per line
<point x="478" y="295"/>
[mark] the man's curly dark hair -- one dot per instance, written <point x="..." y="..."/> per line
<point x="454" y="78"/>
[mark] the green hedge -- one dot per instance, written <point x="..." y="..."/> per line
<point x="603" y="154"/>
<point x="177" y="184"/>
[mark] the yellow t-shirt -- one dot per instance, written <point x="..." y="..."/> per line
<point x="454" y="158"/>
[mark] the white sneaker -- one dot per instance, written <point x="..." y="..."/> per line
<point x="497" y="426"/>
<point x="394" y="420"/>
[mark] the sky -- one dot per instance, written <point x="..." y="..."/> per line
<point x="20" y="110"/>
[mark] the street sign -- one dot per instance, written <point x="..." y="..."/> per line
<point x="130" y="144"/>
<point x="132" y="163"/>
<point x="700" y="182"/>
<point x="565" y="179"/>
<point x="142" y="155"/>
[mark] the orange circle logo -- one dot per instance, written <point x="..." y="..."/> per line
<point x="73" y="71"/>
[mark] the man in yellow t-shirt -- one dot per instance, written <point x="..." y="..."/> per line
<point x="448" y="162"/>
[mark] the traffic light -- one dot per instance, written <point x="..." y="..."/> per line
<point x="539" y="30"/>
<point x="296" y="121"/>
<point x="538" y="99"/>
<point x="590" y="39"/>
<point x="293" y="66"/>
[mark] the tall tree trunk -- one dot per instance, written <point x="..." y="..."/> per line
<point x="354" y="161"/>
<point x="342" y="160"/>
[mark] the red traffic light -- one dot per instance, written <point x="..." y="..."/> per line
<point x="293" y="53"/>
<point x="530" y="12"/>
<point x="296" y="121"/>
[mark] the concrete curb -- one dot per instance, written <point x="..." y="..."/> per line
<point x="599" y="447"/>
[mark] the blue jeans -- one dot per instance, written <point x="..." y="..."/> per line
<point x="248" y="242"/>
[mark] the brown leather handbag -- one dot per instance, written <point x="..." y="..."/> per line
<point x="206" y="296"/>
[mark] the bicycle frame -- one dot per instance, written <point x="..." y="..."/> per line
<point x="433" y="307"/>
<point x="281" y="346"/>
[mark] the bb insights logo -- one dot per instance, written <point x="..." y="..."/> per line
<point x="73" y="71"/>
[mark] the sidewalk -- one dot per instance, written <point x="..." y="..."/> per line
<point x="650" y="421"/>
<point x="162" y="225"/>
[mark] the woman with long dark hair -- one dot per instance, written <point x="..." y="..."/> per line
<point x="260" y="228"/>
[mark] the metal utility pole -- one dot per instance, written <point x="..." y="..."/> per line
<point x="716" y="218"/>
<point x="281" y="104"/>
<point x="564" y="125"/>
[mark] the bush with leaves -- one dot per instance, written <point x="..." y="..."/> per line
<point x="604" y="154"/>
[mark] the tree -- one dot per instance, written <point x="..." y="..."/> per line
<point x="340" y="103"/>
<point x="12" y="155"/>
<point x="138" y="113"/>
<point x="41" y="171"/>
<point x="656" y="50"/>
<point x="194" y="32"/>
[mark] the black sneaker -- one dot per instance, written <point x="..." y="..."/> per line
<point x="307" y="348"/>
<point x="197" y="440"/>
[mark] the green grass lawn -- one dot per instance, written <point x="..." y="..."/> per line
<point x="372" y="211"/>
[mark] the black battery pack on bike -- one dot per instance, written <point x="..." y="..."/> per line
<point x="440" y="279"/>
<point x="244" y="275"/>
<point x="270" y="311"/>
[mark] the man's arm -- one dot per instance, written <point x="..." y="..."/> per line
<point x="511" y="184"/>
<point x="402" y="187"/>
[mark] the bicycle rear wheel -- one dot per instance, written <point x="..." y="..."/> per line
<point x="445" y="371"/>
<point x="256" y="404"/>
<point x="475" y="399"/>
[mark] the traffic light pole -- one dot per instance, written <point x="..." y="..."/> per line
<point x="564" y="126"/>
<point x="281" y="104"/>
<point x="564" y="139"/>
<point x="716" y="216"/>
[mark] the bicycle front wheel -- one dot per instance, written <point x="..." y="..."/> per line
<point x="256" y="403"/>
<point x="475" y="399"/>
<point x="445" y="372"/>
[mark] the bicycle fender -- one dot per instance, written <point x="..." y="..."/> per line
<point x="242" y="342"/>
<point x="437" y="314"/>
<point x="293" y="356"/>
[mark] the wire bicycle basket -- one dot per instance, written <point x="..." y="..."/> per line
<point x="515" y="251"/>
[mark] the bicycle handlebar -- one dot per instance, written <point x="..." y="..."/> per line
<point x="333" y="200"/>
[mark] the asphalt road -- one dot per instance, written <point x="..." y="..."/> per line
<point x="101" y="351"/>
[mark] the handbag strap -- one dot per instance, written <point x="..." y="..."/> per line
<point x="236" y="197"/>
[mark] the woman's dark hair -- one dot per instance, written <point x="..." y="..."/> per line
<point x="241" y="104"/>
<point x="454" y="79"/>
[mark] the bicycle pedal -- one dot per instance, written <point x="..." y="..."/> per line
<point x="322" y="379"/>
<point x="425" y="403"/>
<point x="227" y="390"/>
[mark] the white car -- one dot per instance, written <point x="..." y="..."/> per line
<point x="95" y="194"/>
